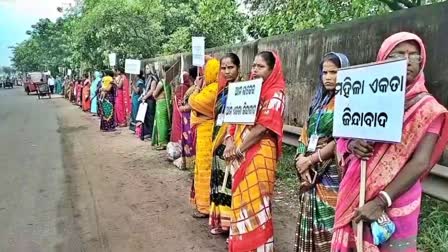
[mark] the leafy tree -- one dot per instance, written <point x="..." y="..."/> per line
<point x="91" y="29"/>
<point x="288" y="16"/>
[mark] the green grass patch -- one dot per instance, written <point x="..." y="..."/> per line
<point x="286" y="171"/>
<point x="433" y="234"/>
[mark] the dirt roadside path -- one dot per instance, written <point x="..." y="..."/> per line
<point x="129" y="198"/>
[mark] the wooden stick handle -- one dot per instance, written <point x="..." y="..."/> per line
<point x="362" y="199"/>
<point x="226" y="177"/>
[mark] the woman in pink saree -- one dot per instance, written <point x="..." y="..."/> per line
<point x="394" y="171"/>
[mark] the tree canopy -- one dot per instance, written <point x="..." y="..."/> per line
<point x="91" y="29"/>
<point x="137" y="29"/>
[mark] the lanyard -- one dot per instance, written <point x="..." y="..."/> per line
<point x="223" y="102"/>
<point x="319" y="116"/>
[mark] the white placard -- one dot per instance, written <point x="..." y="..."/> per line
<point x="132" y="66"/>
<point x="69" y="72"/>
<point x="112" y="59"/>
<point x="141" y="112"/>
<point x="370" y="101"/>
<point x="198" y="51"/>
<point x="242" y="102"/>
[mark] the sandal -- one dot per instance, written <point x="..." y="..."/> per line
<point x="217" y="231"/>
<point x="197" y="215"/>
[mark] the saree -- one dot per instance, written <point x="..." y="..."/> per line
<point x="93" y="93"/>
<point x="86" y="96"/>
<point x="107" y="122"/>
<point x="179" y="93"/>
<point x="318" y="201"/>
<point x="202" y="118"/>
<point x="162" y="122"/>
<point x="187" y="138"/>
<point x="122" y="103"/>
<point x="79" y="93"/>
<point x="388" y="160"/>
<point x="221" y="195"/>
<point x="251" y="225"/>
<point x="148" y="124"/>
<point x="136" y="103"/>
<point x="58" y="87"/>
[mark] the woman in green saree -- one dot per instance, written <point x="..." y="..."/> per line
<point x="162" y="122"/>
<point x="316" y="165"/>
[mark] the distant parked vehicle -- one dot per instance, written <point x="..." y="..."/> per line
<point x="8" y="83"/>
<point x="32" y="81"/>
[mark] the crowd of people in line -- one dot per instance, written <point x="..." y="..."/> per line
<point x="235" y="165"/>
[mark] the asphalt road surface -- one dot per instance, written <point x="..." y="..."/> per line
<point x="35" y="207"/>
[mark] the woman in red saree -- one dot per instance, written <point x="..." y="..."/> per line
<point x="394" y="171"/>
<point x="86" y="94"/>
<point x="254" y="161"/>
<point x="179" y="93"/>
<point x="123" y="100"/>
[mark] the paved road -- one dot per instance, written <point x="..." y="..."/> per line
<point x="35" y="207"/>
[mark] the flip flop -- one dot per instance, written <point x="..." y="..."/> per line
<point x="217" y="231"/>
<point x="198" y="215"/>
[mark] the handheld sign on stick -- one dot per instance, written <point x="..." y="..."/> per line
<point x="241" y="108"/>
<point x="370" y="105"/>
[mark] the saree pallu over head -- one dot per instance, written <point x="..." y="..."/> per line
<point x="202" y="103"/>
<point x="251" y="227"/>
<point x="388" y="160"/>
<point x="202" y="119"/>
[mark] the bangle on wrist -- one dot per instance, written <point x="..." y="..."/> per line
<point x="386" y="197"/>
<point x="382" y="200"/>
<point x="319" y="156"/>
<point x="238" y="152"/>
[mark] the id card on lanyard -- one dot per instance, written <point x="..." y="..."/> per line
<point x="220" y="118"/>
<point x="314" y="139"/>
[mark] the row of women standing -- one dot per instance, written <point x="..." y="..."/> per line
<point x="107" y="97"/>
<point x="235" y="165"/>
<point x="328" y="172"/>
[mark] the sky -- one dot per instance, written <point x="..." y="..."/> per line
<point x="17" y="16"/>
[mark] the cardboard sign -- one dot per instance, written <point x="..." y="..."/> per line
<point x="242" y="102"/>
<point x="69" y="72"/>
<point x="132" y="66"/>
<point x="198" y="51"/>
<point x="370" y="101"/>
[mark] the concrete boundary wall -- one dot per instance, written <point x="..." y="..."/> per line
<point x="302" y="51"/>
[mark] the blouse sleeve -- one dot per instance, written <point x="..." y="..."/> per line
<point x="436" y="126"/>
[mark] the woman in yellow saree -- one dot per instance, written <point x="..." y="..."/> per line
<point x="254" y="161"/>
<point x="202" y="103"/>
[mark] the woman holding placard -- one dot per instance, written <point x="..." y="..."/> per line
<point x="394" y="171"/>
<point x="203" y="118"/>
<point x="254" y="157"/>
<point x="316" y="165"/>
<point x="221" y="196"/>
